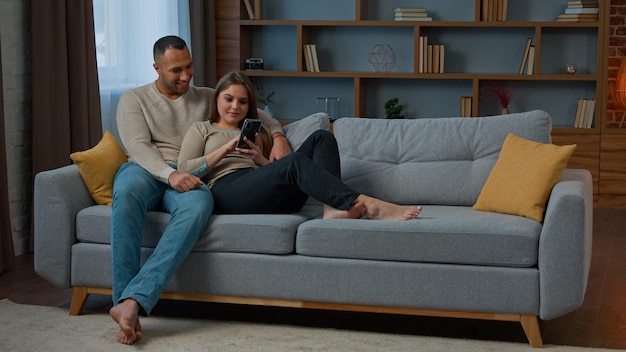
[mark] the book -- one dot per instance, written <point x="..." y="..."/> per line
<point x="585" y="3"/>
<point x="579" y="109"/>
<point x="249" y="9"/>
<point x="466" y="107"/>
<point x="589" y="112"/>
<point x="484" y="13"/>
<point x="495" y="10"/>
<point x="579" y="6"/>
<point x="442" y="51"/>
<point x="423" y="42"/>
<point x="307" y="57"/>
<point x="525" y="55"/>
<point x="582" y="10"/>
<point x="429" y="58"/>
<point x="405" y="18"/>
<point x="436" y="58"/>
<point x="314" y="58"/>
<point x="410" y="14"/>
<point x="409" y="9"/>
<point x="578" y="15"/>
<point x="257" y="9"/>
<point x="576" y="19"/>
<point x="531" y="60"/>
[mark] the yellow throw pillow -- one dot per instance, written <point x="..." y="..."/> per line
<point x="522" y="178"/>
<point x="98" y="166"/>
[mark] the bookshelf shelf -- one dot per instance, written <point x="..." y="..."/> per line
<point x="376" y="23"/>
<point x="476" y="52"/>
<point x="429" y="76"/>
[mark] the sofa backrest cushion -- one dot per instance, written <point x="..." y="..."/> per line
<point x="298" y="131"/>
<point x="442" y="161"/>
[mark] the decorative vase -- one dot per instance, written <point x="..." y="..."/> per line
<point x="505" y="111"/>
<point x="267" y="110"/>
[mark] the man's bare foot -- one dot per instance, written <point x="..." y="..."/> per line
<point x="356" y="211"/>
<point x="126" y="314"/>
<point x="381" y="210"/>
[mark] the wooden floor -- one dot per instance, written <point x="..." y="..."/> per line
<point x="600" y="322"/>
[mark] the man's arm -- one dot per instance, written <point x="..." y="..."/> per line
<point x="280" y="145"/>
<point x="136" y="137"/>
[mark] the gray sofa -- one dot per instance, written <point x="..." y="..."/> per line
<point x="452" y="261"/>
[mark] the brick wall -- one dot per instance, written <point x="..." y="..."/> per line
<point x="617" y="51"/>
<point x="16" y="81"/>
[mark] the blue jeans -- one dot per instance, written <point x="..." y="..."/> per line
<point x="135" y="192"/>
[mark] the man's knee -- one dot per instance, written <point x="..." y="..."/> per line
<point x="198" y="203"/>
<point x="133" y="179"/>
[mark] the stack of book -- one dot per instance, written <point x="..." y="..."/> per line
<point x="580" y="10"/>
<point x="585" y="110"/>
<point x="310" y="57"/>
<point x="466" y="106"/>
<point x="410" y="14"/>
<point x="494" y="10"/>
<point x="431" y="56"/>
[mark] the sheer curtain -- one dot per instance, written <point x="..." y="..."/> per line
<point x="125" y="32"/>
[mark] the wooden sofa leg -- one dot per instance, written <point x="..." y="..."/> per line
<point x="79" y="298"/>
<point x="530" y="324"/>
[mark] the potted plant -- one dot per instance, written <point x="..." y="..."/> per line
<point x="393" y="109"/>
<point x="502" y="93"/>
<point x="264" y="99"/>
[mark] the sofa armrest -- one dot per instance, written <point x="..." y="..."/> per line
<point x="59" y="195"/>
<point x="565" y="244"/>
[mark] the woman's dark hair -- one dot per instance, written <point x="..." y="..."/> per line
<point x="234" y="77"/>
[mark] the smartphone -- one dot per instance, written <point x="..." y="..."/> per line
<point x="249" y="129"/>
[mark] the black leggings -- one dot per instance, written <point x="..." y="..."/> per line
<point x="284" y="185"/>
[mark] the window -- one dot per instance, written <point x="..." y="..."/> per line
<point x="125" y="32"/>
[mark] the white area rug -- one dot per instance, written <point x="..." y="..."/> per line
<point x="37" y="328"/>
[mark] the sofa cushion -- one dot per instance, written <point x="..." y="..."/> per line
<point x="269" y="234"/>
<point x="523" y="177"/>
<point x="298" y="131"/>
<point x="441" y="234"/>
<point x="402" y="160"/>
<point x="98" y="166"/>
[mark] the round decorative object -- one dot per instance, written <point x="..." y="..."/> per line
<point x="570" y="69"/>
<point x="382" y="58"/>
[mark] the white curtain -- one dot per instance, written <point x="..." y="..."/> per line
<point x="125" y="34"/>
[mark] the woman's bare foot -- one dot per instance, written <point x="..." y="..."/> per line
<point x="381" y="210"/>
<point x="126" y="314"/>
<point x="356" y="211"/>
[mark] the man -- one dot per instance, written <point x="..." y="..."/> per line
<point x="152" y="121"/>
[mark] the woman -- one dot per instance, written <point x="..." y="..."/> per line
<point x="243" y="181"/>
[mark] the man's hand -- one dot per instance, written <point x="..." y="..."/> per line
<point x="184" y="182"/>
<point x="280" y="147"/>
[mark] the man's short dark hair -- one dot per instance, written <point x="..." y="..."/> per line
<point x="170" y="41"/>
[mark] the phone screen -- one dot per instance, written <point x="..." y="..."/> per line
<point x="249" y="130"/>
